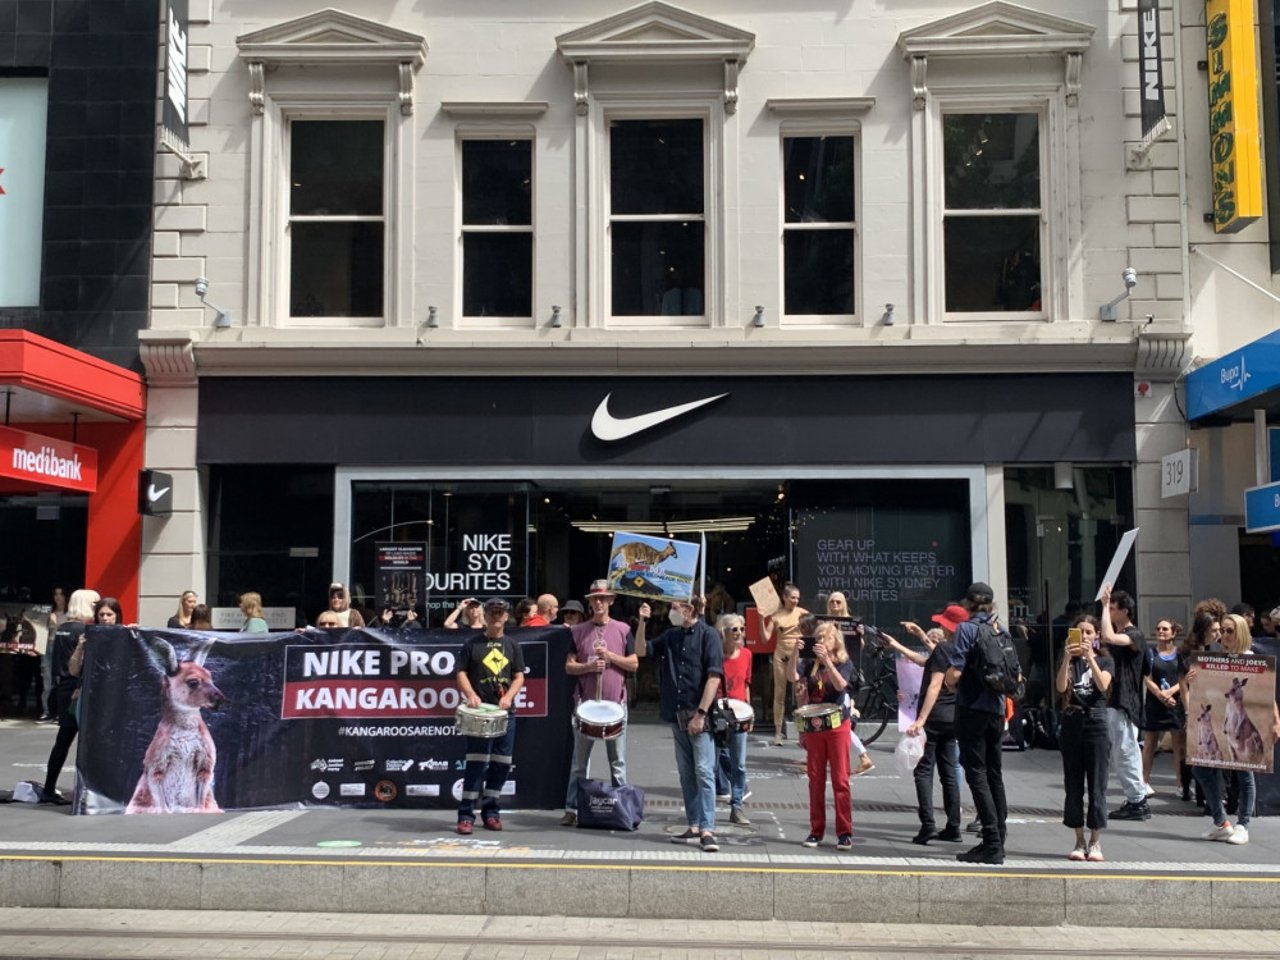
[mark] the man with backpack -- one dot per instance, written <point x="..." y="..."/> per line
<point x="984" y="670"/>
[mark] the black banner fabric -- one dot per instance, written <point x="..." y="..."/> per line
<point x="1150" y="69"/>
<point x="347" y="718"/>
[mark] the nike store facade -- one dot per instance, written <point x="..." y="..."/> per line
<point x="896" y="490"/>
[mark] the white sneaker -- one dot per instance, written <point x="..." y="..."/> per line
<point x="1221" y="832"/>
<point x="1079" y="852"/>
<point x="1240" y="835"/>
<point x="1149" y="790"/>
<point x="1095" y="853"/>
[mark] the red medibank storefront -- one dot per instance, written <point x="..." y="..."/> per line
<point x="74" y="423"/>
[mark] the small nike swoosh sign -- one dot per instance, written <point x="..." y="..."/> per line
<point x="609" y="428"/>
<point x="153" y="494"/>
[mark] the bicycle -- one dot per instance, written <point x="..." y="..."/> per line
<point x="877" y="696"/>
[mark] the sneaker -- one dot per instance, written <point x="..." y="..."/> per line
<point x="864" y="766"/>
<point x="1079" y="852"/>
<point x="1239" y="836"/>
<point x="1220" y="832"/>
<point x="777" y="740"/>
<point x="975" y="826"/>
<point x="1149" y="790"/>
<point x="1133" y="811"/>
<point x="689" y="836"/>
<point x="845" y="842"/>
<point x="465" y="827"/>
<point x="722" y="798"/>
<point x="492" y="823"/>
<point x="570" y="819"/>
<point x="1095" y="852"/>
<point x="812" y="840"/>
<point x="737" y="816"/>
<point x="54" y="798"/>
<point x="708" y="842"/>
<point x="925" y="835"/>
<point x="951" y="835"/>
<point x="982" y="854"/>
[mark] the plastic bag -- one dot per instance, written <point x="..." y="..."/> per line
<point x="909" y="752"/>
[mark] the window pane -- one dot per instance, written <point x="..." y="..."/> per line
<point x="336" y="270"/>
<point x="336" y="168"/>
<point x="992" y="160"/>
<point x="819" y="179"/>
<point x="819" y="271"/>
<point x="656" y="166"/>
<point x="497" y="276"/>
<point x="496" y="178"/>
<point x="658" y="269"/>
<point x="992" y="263"/>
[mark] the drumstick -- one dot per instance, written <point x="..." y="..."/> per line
<point x="600" y="685"/>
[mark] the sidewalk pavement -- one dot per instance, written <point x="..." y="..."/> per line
<point x="358" y="860"/>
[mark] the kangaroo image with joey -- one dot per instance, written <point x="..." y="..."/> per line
<point x="1243" y="739"/>
<point x="1206" y="740"/>
<point x="177" y="770"/>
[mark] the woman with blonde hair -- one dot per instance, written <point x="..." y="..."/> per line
<point x="80" y="613"/>
<point x="731" y="759"/>
<point x="822" y="674"/>
<point x="838" y="606"/>
<point x="186" y="604"/>
<point x="251" y="607"/>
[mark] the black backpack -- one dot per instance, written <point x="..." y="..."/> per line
<point x="994" y="661"/>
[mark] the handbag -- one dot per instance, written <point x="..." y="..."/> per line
<point x="602" y="806"/>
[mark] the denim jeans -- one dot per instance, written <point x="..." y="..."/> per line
<point x="488" y="763"/>
<point x="695" y="762"/>
<point x="1126" y="752"/>
<point x="1210" y="780"/>
<point x="731" y="768"/>
<point x="615" y="749"/>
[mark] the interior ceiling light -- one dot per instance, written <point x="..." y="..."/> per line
<point x="709" y="525"/>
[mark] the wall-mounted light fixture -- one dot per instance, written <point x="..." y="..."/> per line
<point x="1107" y="311"/>
<point x="555" y="320"/>
<point x="221" y="318"/>
<point x="887" y="319"/>
<point x="758" y="319"/>
<point x="433" y="318"/>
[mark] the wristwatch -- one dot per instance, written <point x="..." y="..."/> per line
<point x="701" y="712"/>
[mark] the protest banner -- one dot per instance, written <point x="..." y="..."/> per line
<point x="652" y="567"/>
<point x="402" y="571"/>
<point x="910" y="676"/>
<point x="1230" y="706"/>
<point x="765" y="594"/>
<point x="347" y="718"/>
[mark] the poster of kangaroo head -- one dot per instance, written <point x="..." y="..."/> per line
<point x="1229" y="712"/>
<point x="655" y="568"/>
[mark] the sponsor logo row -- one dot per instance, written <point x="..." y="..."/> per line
<point x="338" y="764"/>
<point x="386" y="791"/>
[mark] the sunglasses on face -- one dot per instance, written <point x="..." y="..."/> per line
<point x="735" y="629"/>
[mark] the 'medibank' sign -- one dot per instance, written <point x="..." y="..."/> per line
<point x="44" y="460"/>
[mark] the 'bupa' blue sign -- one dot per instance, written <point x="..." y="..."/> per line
<point x="1234" y="377"/>
<point x="1262" y="508"/>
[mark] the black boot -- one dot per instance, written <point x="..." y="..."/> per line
<point x="983" y="853"/>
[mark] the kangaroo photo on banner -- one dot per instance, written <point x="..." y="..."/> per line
<point x="1229" y="716"/>
<point x="655" y="568"/>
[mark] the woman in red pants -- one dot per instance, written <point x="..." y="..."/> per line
<point x="822" y="675"/>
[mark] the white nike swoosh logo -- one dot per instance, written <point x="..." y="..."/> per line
<point x="609" y="428"/>
<point x="153" y="494"/>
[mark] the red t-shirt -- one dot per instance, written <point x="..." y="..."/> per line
<point x="737" y="676"/>
<point x="536" y="620"/>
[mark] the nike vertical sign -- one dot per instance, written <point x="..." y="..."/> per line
<point x="155" y="493"/>
<point x="605" y="426"/>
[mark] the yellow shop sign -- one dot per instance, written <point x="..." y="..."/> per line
<point x="1235" y="148"/>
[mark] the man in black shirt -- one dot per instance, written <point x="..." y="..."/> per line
<point x="1128" y="648"/>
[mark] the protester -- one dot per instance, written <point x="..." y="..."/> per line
<point x="544" y="613"/>
<point x="980" y="725"/>
<point x="201" y="617"/>
<point x="1163" y="711"/>
<point x="490" y="670"/>
<point x="66" y="641"/>
<point x="936" y="719"/>
<point x="731" y="758"/>
<point x="784" y="629"/>
<point x="690" y="667"/>
<point x="1128" y="648"/>
<point x="182" y="619"/>
<point x="1083" y="681"/>
<point x="602" y="655"/>
<point x="340" y="603"/>
<point x="1203" y="637"/>
<point x="572" y="613"/>
<point x="57" y="617"/>
<point x="822" y="675"/>
<point x="251" y="607"/>
<point x="525" y="609"/>
<point x="838" y="606"/>
<point x="467" y="612"/>
<point x="328" y="620"/>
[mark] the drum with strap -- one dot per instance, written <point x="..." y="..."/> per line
<point x="816" y="717"/>
<point x="487" y="721"/>
<point x="744" y="717"/>
<point x="600" y="719"/>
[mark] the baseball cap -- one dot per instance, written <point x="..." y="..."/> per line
<point x="951" y="616"/>
<point x="979" y="593"/>
<point x="496" y="603"/>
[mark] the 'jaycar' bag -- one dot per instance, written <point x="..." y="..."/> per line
<point x="606" y="807"/>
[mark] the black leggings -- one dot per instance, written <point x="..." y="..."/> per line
<point x="67" y="730"/>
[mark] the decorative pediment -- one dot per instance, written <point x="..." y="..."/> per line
<point x="997" y="29"/>
<point x="656" y="32"/>
<point x="329" y="38"/>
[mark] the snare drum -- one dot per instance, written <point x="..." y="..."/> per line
<point x="600" y="719"/>
<point x="816" y="717"/>
<point x="487" y="721"/>
<point x="744" y="718"/>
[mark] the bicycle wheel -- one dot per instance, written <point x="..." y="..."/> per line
<point x="875" y="715"/>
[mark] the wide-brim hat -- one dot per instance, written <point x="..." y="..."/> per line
<point x="572" y="606"/>
<point x="951" y="616"/>
<point x="599" y="588"/>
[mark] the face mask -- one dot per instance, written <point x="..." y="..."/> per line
<point x="676" y="617"/>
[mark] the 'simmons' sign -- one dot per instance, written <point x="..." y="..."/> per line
<point x="1234" y="147"/>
